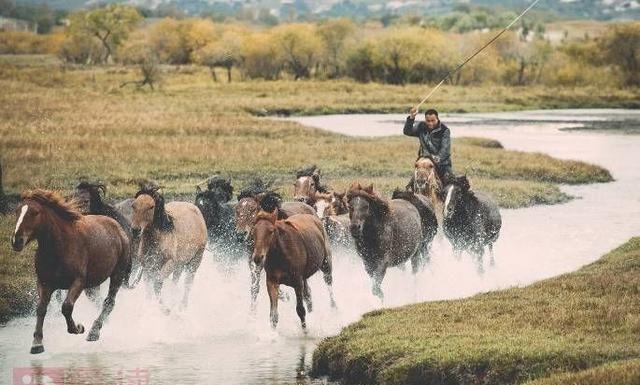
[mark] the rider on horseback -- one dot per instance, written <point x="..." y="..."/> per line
<point x="435" y="140"/>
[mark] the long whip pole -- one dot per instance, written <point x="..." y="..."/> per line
<point x="459" y="67"/>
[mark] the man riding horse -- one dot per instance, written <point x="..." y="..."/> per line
<point x="435" y="141"/>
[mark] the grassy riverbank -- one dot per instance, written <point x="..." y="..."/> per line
<point x="558" y="331"/>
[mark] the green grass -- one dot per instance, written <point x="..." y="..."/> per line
<point x="571" y="323"/>
<point x="617" y="373"/>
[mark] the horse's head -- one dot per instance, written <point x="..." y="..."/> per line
<point x="29" y="219"/>
<point x="323" y="204"/>
<point x="362" y="204"/>
<point x="33" y="212"/>
<point x="246" y="211"/>
<point x="306" y="185"/>
<point x="425" y="176"/>
<point x="149" y="211"/>
<point x="89" y="196"/>
<point x="339" y="203"/>
<point x="208" y="203"/>
<point x="457" y="188"/>
<point x="221" y="189"/>
<point x="263" y="235"/>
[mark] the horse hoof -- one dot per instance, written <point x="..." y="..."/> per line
<point x="37" y="349"/>
<point x="93" y="336"/>
<point x="79" y="329"/>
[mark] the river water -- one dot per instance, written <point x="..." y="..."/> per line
<point x="215" y="340"/>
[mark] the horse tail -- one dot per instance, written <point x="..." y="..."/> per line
<point x="427" y="213"/>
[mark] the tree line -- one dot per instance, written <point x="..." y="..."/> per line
<point x="340" y="48"/>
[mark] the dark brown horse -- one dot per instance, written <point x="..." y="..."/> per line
<point x="172" y="238"/>
<point x="291" y="251"/>
<point x="74" y="252"/>
<point x="386" y="232"/>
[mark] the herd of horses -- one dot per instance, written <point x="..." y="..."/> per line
<point x="82" y="240"/>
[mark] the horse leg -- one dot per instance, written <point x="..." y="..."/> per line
<point x="378" y="276"/>
<point x="306" y="292"/>
<point x="191" y="269"/>
<point x="492" y="260"/>
<point x="93" y="293"/>
<point x="255" y="284"/>
<point x="418" y="259"/>
<point x="327" y="271"/>
<point x="299" y="306"/>
<point x="177" y="273"/>
<point x="67" y="307"/>
<point x="165" y="271"/>
<point x="272" y="289"/>
<point x="107" y="306"/>
<point x="44" y="296"/>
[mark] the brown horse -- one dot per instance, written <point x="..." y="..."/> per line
<point x="427" y="182"/>
<point x="307" y="185"/>
<point x="74" y="252"/>
<point x="334" y="213"/>
<point x="172" y="238"/>
<point x="386" y="232"/>
<point x="246" y="212"/>
<point x="291" y="251"/>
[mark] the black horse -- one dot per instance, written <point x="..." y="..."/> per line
<point x="471" y="219"/>
<point x="219" y="216"/>
<point x="90" y="198"/>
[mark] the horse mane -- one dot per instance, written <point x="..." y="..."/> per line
<point x="220" y="184"/>
<point x="161" y="219"/>
<point x="463" y="183"/>
<point x="96" y="192"/>
<point x="270" y="201"/>
<point x="314" y="172"/>
<point x="67" y="210"/>
<point x="367" y="193"/>
<point x="254" y="188"/>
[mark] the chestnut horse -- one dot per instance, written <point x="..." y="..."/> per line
<point x="246" y="213"/>
<point x="172" y="238"/>
<point x="387" y="232"/>
<point x="291" y="251"/>
<point x="74" y="252"/>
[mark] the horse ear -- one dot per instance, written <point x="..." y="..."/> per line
<point x="369" y="189"/>
<point x="198" y="189"/>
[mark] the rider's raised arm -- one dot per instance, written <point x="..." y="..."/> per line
<point x="410" y="126"/>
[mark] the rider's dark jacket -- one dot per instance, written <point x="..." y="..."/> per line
<point x="434" y="143"/>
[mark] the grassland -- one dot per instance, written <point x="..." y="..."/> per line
<point x="60" y="124"/>
<point x="579" y="328"/>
